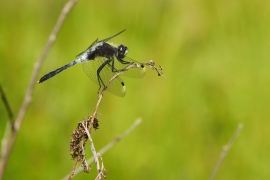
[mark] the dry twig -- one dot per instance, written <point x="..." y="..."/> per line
<point x="103" y="171"/>
<point x="73" y="170"/>
<point x="6" y="103"/>
<point x="225" y="150"/>
<point x="28" y="96"/>
<point x="10" y="123"/>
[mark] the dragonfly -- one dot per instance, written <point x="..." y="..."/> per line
<point x="100" y="62"/>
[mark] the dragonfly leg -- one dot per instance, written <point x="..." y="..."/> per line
<point x="112" y="66"/>
<point x="122" y="61"/>
<point x="98" y="73"/>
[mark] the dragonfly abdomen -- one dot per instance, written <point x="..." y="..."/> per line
<point x="53" y="73"/>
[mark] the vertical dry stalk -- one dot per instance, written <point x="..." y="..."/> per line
<point x="225" y="150"/>
<point x="6" y="103"/>
<point x="28" y="96"/>
<point x="10" y="123"/>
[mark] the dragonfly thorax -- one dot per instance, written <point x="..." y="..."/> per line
<point x="101" y="49"/>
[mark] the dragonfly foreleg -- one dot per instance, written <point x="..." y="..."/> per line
<point x="122" y="61"/>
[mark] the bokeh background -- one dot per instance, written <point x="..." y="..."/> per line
<point x="215" y="55"/>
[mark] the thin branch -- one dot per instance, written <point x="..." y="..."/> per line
<point x="92" y="147"/>
<point x="109" y="145"/>
<point x="52" y="38"/>
<point x="10" y="123"/>
<point x="73" y="170"/>
<point x="103" y="171"/>
<point x="8" y="108"/>
<point x="225" y="151"/>
<point x="28" y="96"/>
<point x="4" y="141"/>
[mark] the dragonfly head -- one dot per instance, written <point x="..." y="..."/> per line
<point x="122" y="51"/>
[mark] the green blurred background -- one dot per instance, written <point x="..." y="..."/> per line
<point x="216" y="59"/>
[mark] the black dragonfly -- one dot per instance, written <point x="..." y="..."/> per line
<point x="101" y="61"/>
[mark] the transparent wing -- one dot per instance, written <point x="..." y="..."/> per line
<point x="87" y="48"/>
<point x="90" y="68"/>
<point x="132" y="72"/>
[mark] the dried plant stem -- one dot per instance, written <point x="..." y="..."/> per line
<point x="225" y="150"/>
<point x="10" y="123"/>
<point x="52" y="38"/>
<point x="103" y="171"/>
<point x="73" y="170"/>
<point x="28" y="96"/>
<point x="92" y="147"/>
<point x="109" y="145"/>
<point x="6" y="103"/>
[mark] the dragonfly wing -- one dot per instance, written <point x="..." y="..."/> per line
<point x="107" y="39"/>
<point x="132" y="72"/>
<point x="87" y="48"/>
<point x="90" y="68"/>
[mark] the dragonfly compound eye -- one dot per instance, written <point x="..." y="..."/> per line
<point x="122" y="50"/>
